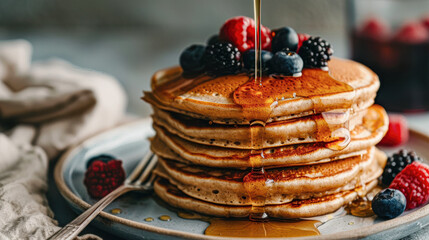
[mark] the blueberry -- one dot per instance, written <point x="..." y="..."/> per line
<point x="287" y="63"/>
<point x="103" y="157"/>
<point x="249" y="59"/>
<point x="285" y="38"/>
<point x="191" y="58"/>
<point x="389" y="203"/>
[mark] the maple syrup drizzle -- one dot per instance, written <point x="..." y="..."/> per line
<point x="255" y="182"/>
<point x="254" y="229"/>
<point x="361" y="207"/>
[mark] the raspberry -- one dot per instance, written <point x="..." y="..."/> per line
<point x="413" y="182"/>
<point x="301" y="38"/>
<point x="396" y="163"/>
<point x="222" y="58"/>
<point x="315" y="52"/>
<point x="240" y="31"/>
<point x="412" y="32"/>
<point x="103" y="157"/>
<point x="398" y="131"/>
<point x="375" y="29"/>
<point x="102" y="178"/>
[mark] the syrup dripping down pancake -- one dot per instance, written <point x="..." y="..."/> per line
<point x="212" y="98"/>
<point x="295" y="209"/>
<point x="225" y="186"/>
<point x="369" y="133"/>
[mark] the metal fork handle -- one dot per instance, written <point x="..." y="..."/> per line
<point x="71" y="230"/>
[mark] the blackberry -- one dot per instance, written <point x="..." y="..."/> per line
<point x="396" y="163"/>
<point x="316" y="52"/>
<point x="222" y="58"/>
<point x="213" y="39"/>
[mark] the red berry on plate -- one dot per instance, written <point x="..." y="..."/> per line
<point x="102" y="178"/>
<point x="412" y="32"/>
<point x="413" y="182"/>
<point x="240" y="31"/>
<point x="375" y="29"/>
<point x="301" y="38"/>
<point x="398" y="131"/>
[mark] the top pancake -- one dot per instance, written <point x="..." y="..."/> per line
<point x="213" y="98"/>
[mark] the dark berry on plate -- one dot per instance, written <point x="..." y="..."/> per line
<point x="284" y="38"/>
<point x="396" y="163"/>
<point x="213" y="39"/>
<point x="413" y="182"/>
<point x="222" y="58"/>
<point x="102" y="178"/>
<point x="287" y="63"/>
<point x="240" y="31"/>
<point x="191" y="59"/>
<point x="315" y="52"/>
<point x="389" y="203"/>
<point x="249" y="59"/>
<point x="103" y="157"/>
<point x="398" y="133"/>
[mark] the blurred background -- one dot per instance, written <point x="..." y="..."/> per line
<point x="131" y="39"/>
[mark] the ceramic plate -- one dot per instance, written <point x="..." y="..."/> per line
<point x="130" y="143"/>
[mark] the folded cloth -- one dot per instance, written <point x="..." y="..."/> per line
<point x="23" y="183"/>
<point x="45" y="107"/>
<point x="67" y="103"/>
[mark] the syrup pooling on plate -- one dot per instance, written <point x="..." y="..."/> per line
<point x="244" y="228"/>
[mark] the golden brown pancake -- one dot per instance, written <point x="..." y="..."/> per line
<point x="295" y="209"/>
<point x="212" y="98"/>
<point x="296" y="131"/>
<point x="223" y="140"/>
<point x="369" y="133"/>
<point x="225" y="186"/>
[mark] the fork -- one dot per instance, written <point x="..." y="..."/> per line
<point x="140" y="179"/>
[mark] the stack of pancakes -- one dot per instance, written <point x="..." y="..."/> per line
<point x="204" y="142"/>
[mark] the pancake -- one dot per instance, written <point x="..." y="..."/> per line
<point x="225" y="186"/>
<point x="224" y="140"/>
<point x="213" y="98"/>
<point x="295" y="209"/>
<point x="297" y="131"/>
<point x="369" y="133"/>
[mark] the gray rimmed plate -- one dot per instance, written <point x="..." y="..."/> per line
<point x="130" y="142"/>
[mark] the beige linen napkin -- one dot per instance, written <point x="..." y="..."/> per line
<point x="44" y="108"/>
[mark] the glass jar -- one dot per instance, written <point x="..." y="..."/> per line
<point x="392" y="38"/>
